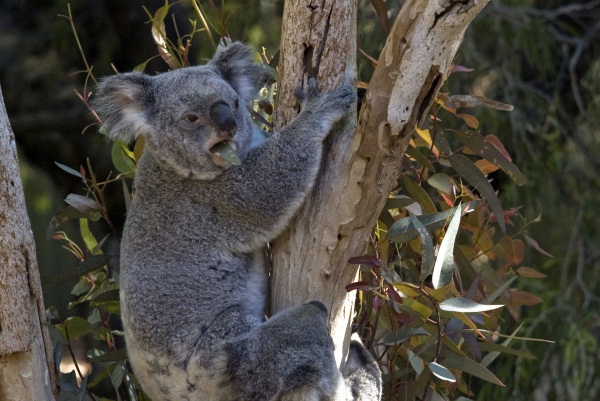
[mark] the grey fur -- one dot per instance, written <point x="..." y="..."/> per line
<point x="193" y="280"/>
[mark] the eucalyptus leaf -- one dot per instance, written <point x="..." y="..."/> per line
<point x="420" y="157"/>
<point x="69" y="170"/>
<point x="418" y="194"/>
<point x="70" y="213"/>
<point x="74" y="327"/>
<point x="82" y="203"/>
<point x="465" y="305"/>
<point x="480" y="145"/>
<point x="121" y="159"/>
<point x="427" y="252"/>
<point x="417" y="363"/>
<point x="444" y="264"/>
<point x="467" y="169"/>
<point x="461" y="362"/>
<point x="404" y="230"/>
<point x="441" y="372"/>
<point x="226" y="152"/>
<point x="90" y="264"/>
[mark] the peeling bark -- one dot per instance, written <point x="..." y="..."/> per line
<point x="26" y="358"/>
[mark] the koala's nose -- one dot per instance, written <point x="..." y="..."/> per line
<point x="223" y="118"/>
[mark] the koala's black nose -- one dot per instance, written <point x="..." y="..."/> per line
<point x="223" y="118"/>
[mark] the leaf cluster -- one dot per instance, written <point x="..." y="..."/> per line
<point x="444" y="259"/>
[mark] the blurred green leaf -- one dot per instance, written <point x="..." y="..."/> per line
<point x="82" y="203"/>
<point x="75" y="326"/>
<point x="122" y="161"/>
<point x="69" y="170"/>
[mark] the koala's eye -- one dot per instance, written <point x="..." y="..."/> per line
<point x="236" y="103"/>
<point x="191" y="118"/>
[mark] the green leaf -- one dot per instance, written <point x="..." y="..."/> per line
<point x="226" y="152"/>
<point x="90" y="241"/>
<point x="107" y="294"/>
<point x="122" y="161"/>
<point x="481" y="146"/>
<point x="444" y="264"/>
<point x="465" y="305"/>
<point x="70" y="213"/>
<point x="82" y="203"/>
<point x="69" y="170"/>
<point x="440" y="142"/>
<point x="417" y="363"/>
<point x="404" y="334"/>
<point x="418" y="193"/>
<point x="398" y="201"/>
<point x="441" y="372"/>
<point x="75" y="326"/>
<point x="404" y="230"/>
<point x="427" y="252"/>
<point x="489" y="347"/>
<point x="115" y="356"/>
<point x="420" y="157"/>
<point x="98" y="377"/>
<point x="90" y="264"/>
<point x="441" y="182"/>
<point x="466" y="269"/>
<point x="467" y="169"/>
<point x="456" y="361"/>
<point x="492" y="297"/>
<point x="489" y="358"/>
<point x="117" y="372"/>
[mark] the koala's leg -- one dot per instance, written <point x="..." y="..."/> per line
<point x="287" y="358"/>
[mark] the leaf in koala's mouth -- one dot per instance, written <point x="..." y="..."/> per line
<point x="226" y="152"/>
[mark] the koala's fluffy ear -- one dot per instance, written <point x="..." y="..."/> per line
<point x="122" y="102"/>
<point x="236" y="65"/>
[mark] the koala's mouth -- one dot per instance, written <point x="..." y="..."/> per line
<point x="223" y="151"/>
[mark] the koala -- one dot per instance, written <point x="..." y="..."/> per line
<point x="193" y="278"/>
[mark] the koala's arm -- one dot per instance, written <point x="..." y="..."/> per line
<point x="274" y="178"/>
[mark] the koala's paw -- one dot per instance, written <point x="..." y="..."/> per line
<point x="330" y="106"/>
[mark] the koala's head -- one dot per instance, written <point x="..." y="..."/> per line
<point x="184" y="113"/>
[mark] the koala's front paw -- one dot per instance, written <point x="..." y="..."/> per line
<point x="330" y="107"/>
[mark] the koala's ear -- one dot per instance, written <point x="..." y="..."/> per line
<point x="122" y="102"/>
<point x="236" y="65"/>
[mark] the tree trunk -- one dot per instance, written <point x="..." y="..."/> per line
<point x="359" y="169"/>
<point x="26" y="357"/>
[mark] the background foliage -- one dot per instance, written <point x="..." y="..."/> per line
<point x="540" y="56"/>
